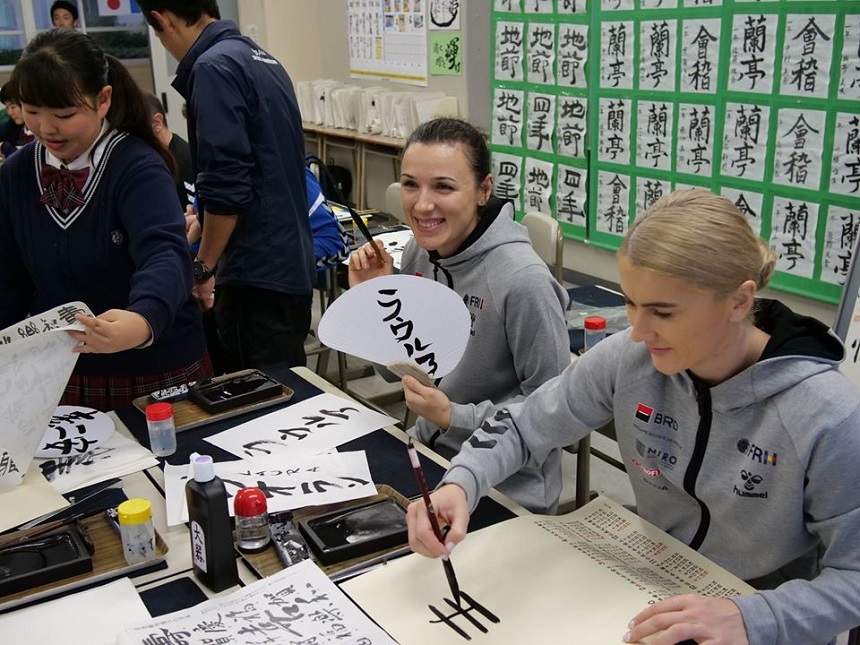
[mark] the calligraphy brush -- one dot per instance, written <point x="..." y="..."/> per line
<point x="434" y="522"/>
<point x="356" y="218"/>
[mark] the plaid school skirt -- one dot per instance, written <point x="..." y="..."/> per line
<point x="111" y="392"/>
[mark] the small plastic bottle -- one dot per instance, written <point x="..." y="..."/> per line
<point x="162" y="431"/>
<point x="252" y="520"/>
<point x="136" y="530"/>
<point x="595" y="331"/>
<point x="209" y="523"/>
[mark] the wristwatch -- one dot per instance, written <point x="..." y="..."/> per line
<point x="200" y="271"/>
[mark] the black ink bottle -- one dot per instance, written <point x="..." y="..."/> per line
<point x="209" y="525"/>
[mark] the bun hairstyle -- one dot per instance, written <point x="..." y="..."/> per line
<point x="702" y="238"/>
<point x="64" y="68"/>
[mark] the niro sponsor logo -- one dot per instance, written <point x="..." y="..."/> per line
<point x="666" y="458"/>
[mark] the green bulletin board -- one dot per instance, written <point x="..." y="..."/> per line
<point x="599" y="109"/>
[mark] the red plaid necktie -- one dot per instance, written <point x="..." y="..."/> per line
<point x="62" y="189"/>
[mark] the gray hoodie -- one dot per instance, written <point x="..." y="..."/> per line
<point x="519" y="340"/>
<point x="760" y="473"/>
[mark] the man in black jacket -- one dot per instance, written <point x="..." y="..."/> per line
<point x="247" y="146"/>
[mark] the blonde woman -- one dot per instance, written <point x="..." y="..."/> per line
<point x="744" y="395"/>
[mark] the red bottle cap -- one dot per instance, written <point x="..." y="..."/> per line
<point x="595" y="322"/>
<point x="158" y="411"/>
<point x="249" y="502"/>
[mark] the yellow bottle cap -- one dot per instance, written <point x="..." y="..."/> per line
<point x="134" y="511"/>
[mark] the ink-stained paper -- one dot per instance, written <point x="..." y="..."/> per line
<point x="399" y="319"/>
<point x="446" y="53"/>
<point x="839" y="239"/>
<point x="541" y="121"/>
<point x="538" y="185"/>
<point x="508" y="6"/>
<point x="95" y="617"/>
<point x="845" y="168"/>
<point x="654" y="135"/>
<point x="658" y="4"/>
<point x="849" y="67"/>
<point x="443" y="14"/>
<point x="310" y="427"/>
<point x="745" y="141"/>
<point x="117" y="457"/>
<point x="571" y="6"/>
<point x="572" y="126"/>
<point x="36" y="360"/>
<point x="607" y="565"/>
<point x="613" y="202"/>
<point x="657" y="40"/>
<point x="32" y="498"/>
<point x="510" y="50"/>
<point x="799" y="147"/>
<point x="508" y="115"/>
<point x="507" y="178"/>
<point x="807" y="53"/>
<point x="571" y="194"/>
<point x="572" y="54"/>
<point x="793" y="226"/>
<point x="541" y="53"/>
<point x="616" y="5"/>
<point x="749" y="203"/>
<point x="615" y="130"/>
<point x="73" y="430"/>
<point x="695" y="139"/>
<point x="753" y="50"/>
<point x="537" y="6"/>
<point x="616" y="55"/>
<point x="297" y="605"/>
<point x="288" y="482"/>
<point x="648" y="191"/>
<point x="700" y="54"/>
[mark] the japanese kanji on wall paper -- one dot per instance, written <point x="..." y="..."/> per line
<point x="600" y="108"/>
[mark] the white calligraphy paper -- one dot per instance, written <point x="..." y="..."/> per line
<point x="654" y="130"/>
<point x="541" y="53"/>
<point x="32" y="498"/>
<point x="572" y="54"/>
<point x="702" y="3"/>
<point x="700" y="55"/>
<point x="74" y="430"/>
<point x="508" y="6"/>
<point x="571" y="6"/>
<point x="507" y="178"/>
<point x="749" y="204"/>
<point x="799" y="147"/>
<point x="538" y="186"/>
<point x="397" y="319"/>
<point x="845" y="172"/>
<point x="793" y="226"/>
<point x="537" y="6"/>
<point x="616" y="5"/>
<point x="807" y="53"/>
<point x="753" y="52"/>
<point x="613" y="202"/>
<point x="36" y="361"/>
<point x="657" y="55"/>
<point x="839" y="239"/>
<point x="696" y="139"/>
<point x="745" y="141"/>
<point x="288" y="482"/>
<point x="616" y="55"/>
<point x="648" y="191"/>
<point x="572" y="126"/>
<point x="443" y="14"/>
<point x="849" y="68"/>
<point x="541" y="121"/>
<point x="509" y="51"/>
<point x="615" y="130"/>
<point x="298" y="605"/>
<point x="658" y="4"/>
<point x="508" y="112"/>
<point x="117" y="457"/>
<point x="570" y="194"/>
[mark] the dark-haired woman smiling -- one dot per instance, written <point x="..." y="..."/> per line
<point x="89" y="212"/>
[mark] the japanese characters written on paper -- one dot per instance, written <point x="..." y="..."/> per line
<point x="793" y="224"/>
<point x="613" y="202"/>
<point x="507" y="176"/>
<point x="538" y="185"/>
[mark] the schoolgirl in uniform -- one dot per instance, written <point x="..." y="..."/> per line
<point x="89" y="212"/>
